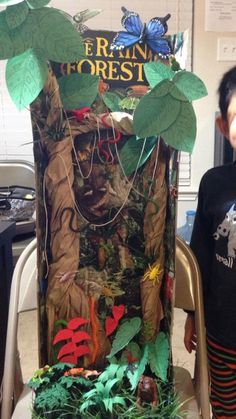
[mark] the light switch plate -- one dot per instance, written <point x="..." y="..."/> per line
<point x="226" y="49"/>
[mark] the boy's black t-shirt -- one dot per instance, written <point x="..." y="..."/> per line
<point x="214" y="244"/>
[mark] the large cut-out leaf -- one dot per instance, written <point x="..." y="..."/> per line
<point x="134" y="376"/>
<point x="182" y="133"/>
<point x="16" y="15"/>
<point x="112" y="101"/>
<point x="176" y="93"/>
<point x="78" y="90"/>
<point x="9" y="2"/>
<point x="158" y="355"/>
<point x="58" y="37"/>
<point x="134" y="153"/>
<point x="155" y="114"/>
<point x="192" y="87"/>
<point x="36" y="4"/>
<point x="25" y="77"/>
<point x="6" y="43"/>
<point x="155" y="72"/>
<point x="16" y="41"/>
<point x="124" y="334"/>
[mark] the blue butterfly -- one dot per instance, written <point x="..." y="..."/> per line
<point x="137" y="31"/>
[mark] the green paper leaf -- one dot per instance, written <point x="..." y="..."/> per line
<point x="78" y="90"/>
<point x="112" y="101"/>
<point x="131" y="152"/>
<point x="6" y="44"/>
<point x="155" y="72"/>
<point x="161" y="89"/>
<point x="176" y="93"/>
<point x="108" y="373"/>
<point x="46" y="29"/>
<point x="25" y="77"/>
<point x="134" y="377"/>
<point x="158" y="355"/>
<point x="9" y="2"/>
<point x="85" y="405"/>
<point x="125" y="333"/>
<point x="58" y="37"/>
<point x="99" y="388"/>
<point x="118" y="400"/>
<point x="132" y="348"/>
<point x="108" y="386"/>
<point x="16" y="15"/>
<point x="37" y="4"/>
<point x="16" y="41"/>
<point x="192" y="87"/>
<point x="155" y="114"/>
<point x="181" y="135"/>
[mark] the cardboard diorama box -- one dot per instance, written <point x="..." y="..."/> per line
<point x="104" y="208"/>
<point x="108" y="125"/>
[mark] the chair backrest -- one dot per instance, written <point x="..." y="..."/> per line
<point x="188" y="296"/>
<point x="17" y="172"/>
<point x="23" y="297"/>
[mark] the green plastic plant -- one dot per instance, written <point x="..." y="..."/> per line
<point x="53" y="390"/>
<point x="102" y="397"/>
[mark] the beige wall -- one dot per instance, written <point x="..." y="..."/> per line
<point x="206" y="66"/>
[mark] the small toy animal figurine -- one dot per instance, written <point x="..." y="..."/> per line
<point x="147" y="391"/>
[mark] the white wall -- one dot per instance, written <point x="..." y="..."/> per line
<point x="206" y="66"/>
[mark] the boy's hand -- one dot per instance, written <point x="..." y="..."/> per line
<point x="190" y="338"/>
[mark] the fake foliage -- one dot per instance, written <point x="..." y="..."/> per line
<point x="73" y="348"/>
<point x="167" y="109"/>
<point x="58" y="394"/>
<point x="114" y="388"/>
<point x="31" y="36"/>
<point x="164" y="111"/>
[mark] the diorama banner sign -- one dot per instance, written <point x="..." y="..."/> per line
<point x="117" y="68"/>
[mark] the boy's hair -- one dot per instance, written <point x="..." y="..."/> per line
<point x="226" y="90"/>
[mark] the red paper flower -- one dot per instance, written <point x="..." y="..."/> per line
<point x="112" y="322"/>
<point x="73" y="348"/>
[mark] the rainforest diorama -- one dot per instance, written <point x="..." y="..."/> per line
<point x="110" y="113"/>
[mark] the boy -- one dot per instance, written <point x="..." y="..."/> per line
<point x="214" y="245"/>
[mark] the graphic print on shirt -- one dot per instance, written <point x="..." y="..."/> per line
<point x="227" y="229"/>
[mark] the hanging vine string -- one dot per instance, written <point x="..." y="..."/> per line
<point x="121" y="207"/>
<point x="122" y="167"/>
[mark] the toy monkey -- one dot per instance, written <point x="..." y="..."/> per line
<point x="147" y="391"/>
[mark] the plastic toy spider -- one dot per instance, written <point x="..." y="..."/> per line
<point x="152" y="273"/>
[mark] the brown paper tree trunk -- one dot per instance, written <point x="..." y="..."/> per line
<point x="154" y="228"/>
<point x="65" y="299"/>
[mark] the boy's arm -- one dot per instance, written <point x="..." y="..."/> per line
<point x="202" y="241"/>
<point x="190" y="339"/>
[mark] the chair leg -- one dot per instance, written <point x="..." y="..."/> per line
<point x="18" y="380"/>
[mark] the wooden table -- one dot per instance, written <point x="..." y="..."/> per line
<point x="7" y="232"/>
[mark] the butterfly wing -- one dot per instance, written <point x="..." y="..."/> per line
<point x="134" y="27"/>
<point x="156" y="29"/>
<point x="124" y="40"/>
<point x="132" y="22"/>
